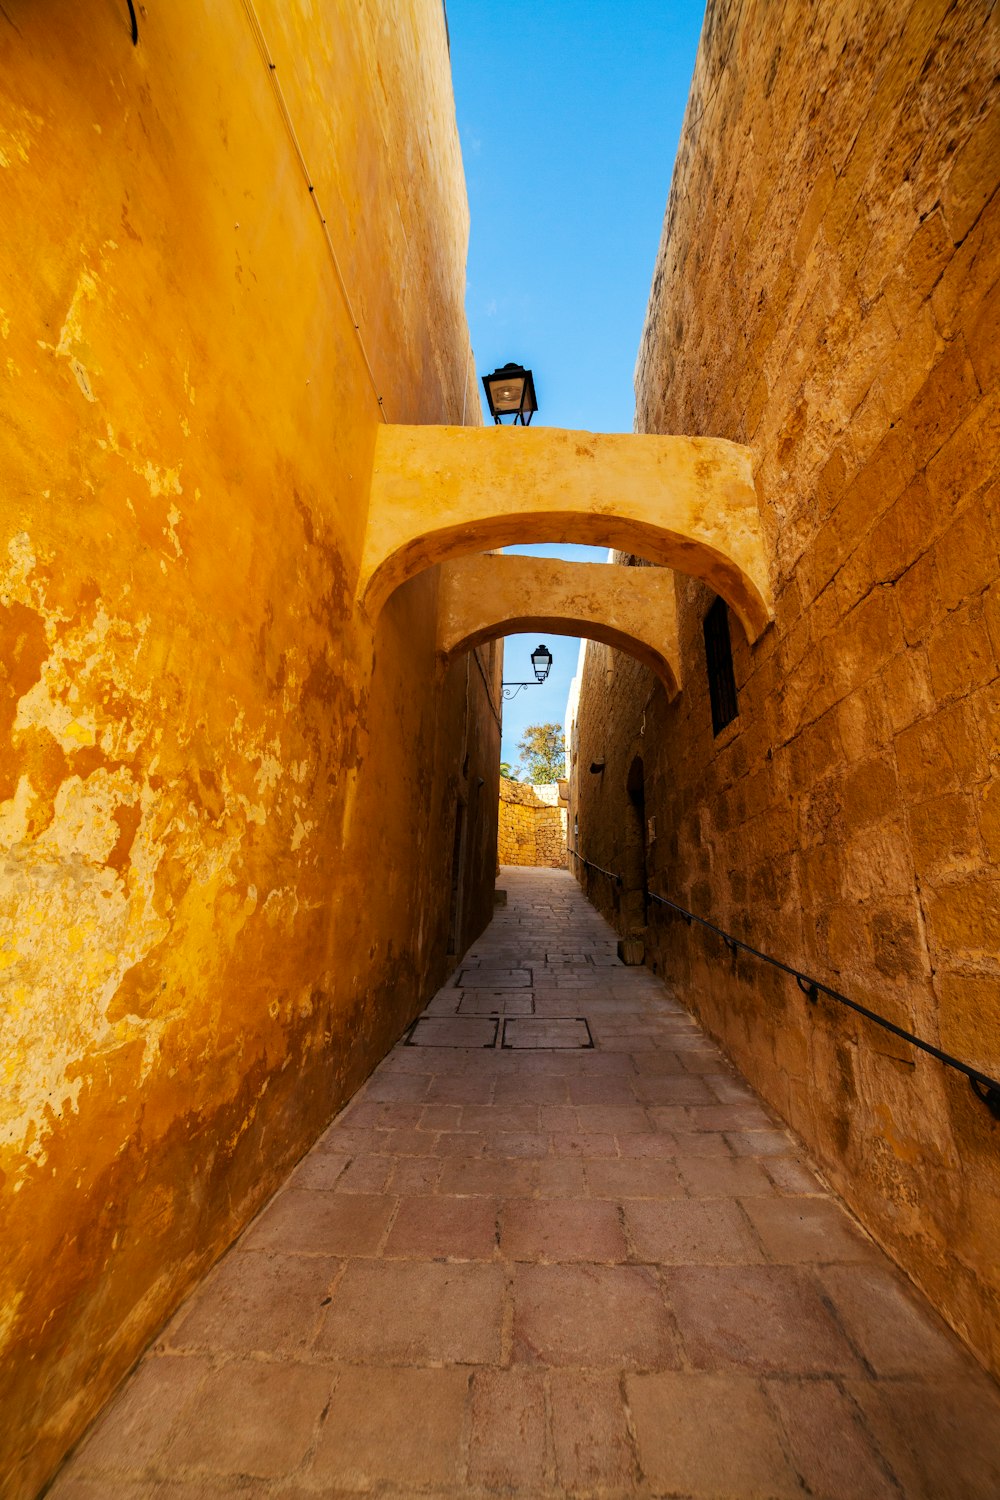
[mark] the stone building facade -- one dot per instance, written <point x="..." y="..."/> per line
<point x="532" y="825"/>
<point x="828" y="291"/>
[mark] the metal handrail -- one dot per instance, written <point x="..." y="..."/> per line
<point x="599" y="868"/>
<point x="985" y="1088"/>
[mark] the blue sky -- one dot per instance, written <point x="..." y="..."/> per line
<point x="569" y="116"/>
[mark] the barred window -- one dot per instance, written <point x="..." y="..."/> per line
<point x="719" y="658"/>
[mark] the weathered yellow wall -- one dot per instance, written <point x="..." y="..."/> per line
<point x="227" y="840"/>
<point x="827" y="291"/>
<point x="532" y="827"/>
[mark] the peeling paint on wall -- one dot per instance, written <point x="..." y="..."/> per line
<point x="225" y="802"/>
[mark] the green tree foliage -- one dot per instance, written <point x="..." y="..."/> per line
<point x="543" y="753"/>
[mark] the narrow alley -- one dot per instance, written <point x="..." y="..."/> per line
<point x="555" y="1245"/>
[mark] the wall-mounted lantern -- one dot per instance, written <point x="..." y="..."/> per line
<point x="510" y="392"/>
<point x="541" y="661"/>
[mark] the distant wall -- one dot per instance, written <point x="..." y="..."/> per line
<point x="532" y="825"/>
<point x="827" y="291"/>
<point x="227" y="807"/>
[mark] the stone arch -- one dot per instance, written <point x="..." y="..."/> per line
<point x="632" y="609"/>
<point x="439" y="493"/>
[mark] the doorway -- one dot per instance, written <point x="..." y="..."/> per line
<point x="457" y="881"/>
<point x="635" y="895"/>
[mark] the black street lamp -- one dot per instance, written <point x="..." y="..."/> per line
<point x="510" y="392"/>
<point x="541" y="661"/>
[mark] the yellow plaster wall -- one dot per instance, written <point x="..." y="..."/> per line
<point x="226" y="808"/>
<point x="532" y="825"/>
<point x="827" y="291"/>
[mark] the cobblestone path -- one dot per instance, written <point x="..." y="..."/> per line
<point x="516" y="1264"/>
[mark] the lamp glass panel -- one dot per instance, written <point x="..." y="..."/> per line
<point x="541" y="660"/>
<point x="507" y="394"/>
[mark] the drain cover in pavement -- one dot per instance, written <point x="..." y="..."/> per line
<point x="496" y="1003"/>
<point x="546" y="1031"/>
<point x="494" y="979"/>
<point x="454" y="1031"/>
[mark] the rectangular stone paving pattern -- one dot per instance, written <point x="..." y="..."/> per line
<point x="543" y="1267"/>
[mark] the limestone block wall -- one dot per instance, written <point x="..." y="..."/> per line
<point x="532" y="825"/>
<point x="227" y="804"/>
<point x="827" y="291"/>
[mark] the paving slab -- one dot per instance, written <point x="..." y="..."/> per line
<point x="549" y="1270"/>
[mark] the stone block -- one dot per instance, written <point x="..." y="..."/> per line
<point x="972" y="179"/>
<point x="396" y="1426"/>
<point x="625" y="1325"/>
<point x="634" y="1177"/>
<point x="300" y="1222"/>
<point x="943" y="834"/>
<point x="808" y="1230"/>
<point x="964" y="917"/>
<point x="592" y="1447"/>
<point x="443" y="1228"/>
<point x="960" y="653"/>
<point x="428" y="1313"/>
<point x="706" y="1177"/>
<point x="969" y="1021"/>
<point x="508" y="1442"/>
<point x="827" y="1441"/>
<point x="253" y="1418"/>
<point x="973" y="269"/>
<point x="690" y="1233"/>
<point x="962" y="466"/>
<point x="822" y="875"/>
<point x="256" y="1304"/>
<point x="904" y="686"/>
<point x="965" y="556"/>
<point x="895" y="1330"/>
<point x="768" y="1319"/>
<point x="560" y="1179"/>
<point x="942" y="403"/>
<point x="560" y="1231"/>
<point x="910" y="360"/>
<point x="897" y="943"/>
<point x="941" y="753"/>
<point x="926" y="257"/>
<point x="869" y="792"/>
<point x="940" y="1436"/>
<point x="988" y="813"/>
<point x="984" y="351"/>
<point x="868" y="637"/>
<point x="708" y="1435"/>
<point x="135" y="1429"/>
<point x="919" y="601"/>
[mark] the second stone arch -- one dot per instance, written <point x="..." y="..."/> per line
<point x="633" y="609"/>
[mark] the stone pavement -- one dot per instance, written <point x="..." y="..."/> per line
<point x="517" y="1265"/>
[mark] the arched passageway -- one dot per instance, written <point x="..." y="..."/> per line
<point x="444" y="492"/>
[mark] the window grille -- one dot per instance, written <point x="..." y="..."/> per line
<point x="719" y="658"/>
